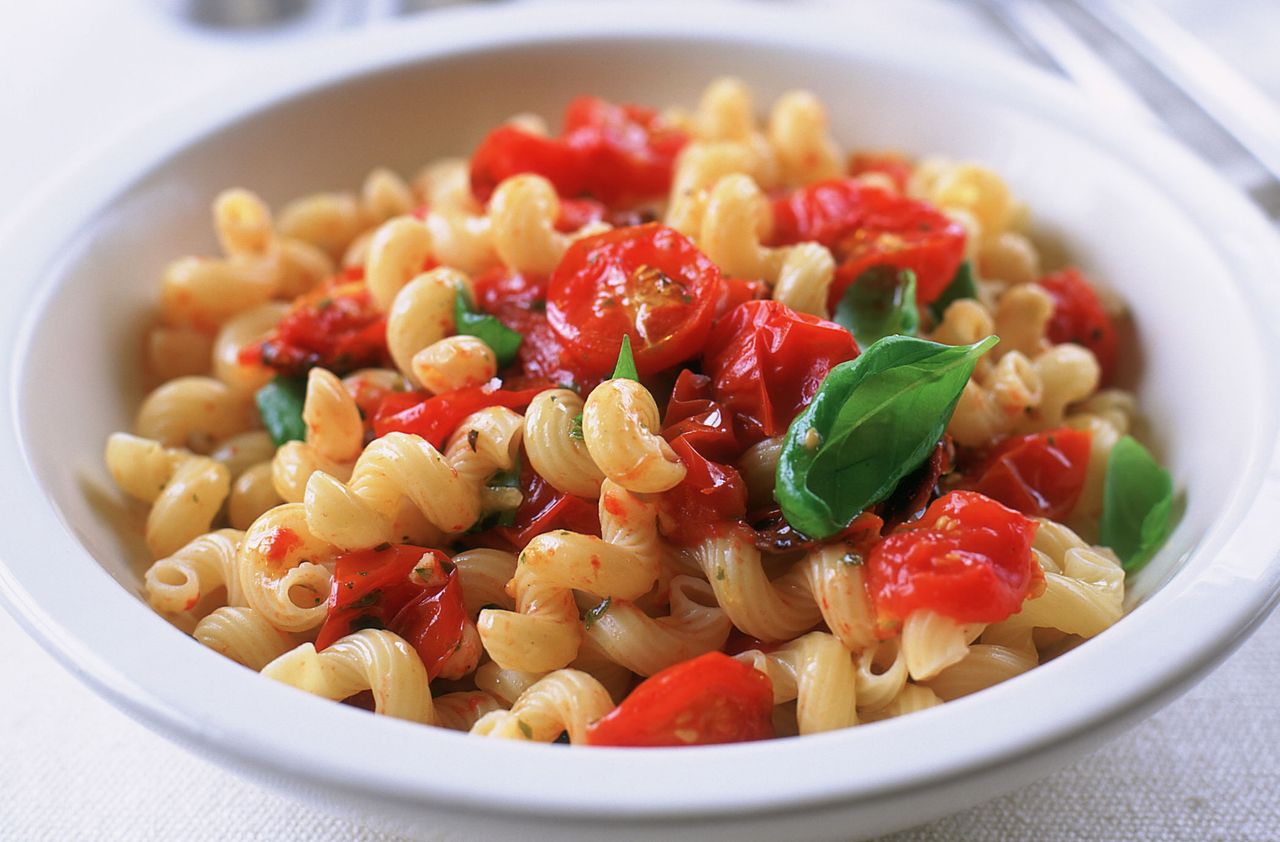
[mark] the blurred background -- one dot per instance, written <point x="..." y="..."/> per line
<point x="74" y="74"/>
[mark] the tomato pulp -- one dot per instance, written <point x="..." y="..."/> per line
<point x="648" y="282"/>
<point x="968" y="558"/>
<point x="707" y="700"/>
<point x="866" y="227"/>
<point x="401" y="588"/>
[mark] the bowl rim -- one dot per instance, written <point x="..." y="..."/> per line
<point x="64" y="615"/>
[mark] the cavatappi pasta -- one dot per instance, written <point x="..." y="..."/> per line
<point x="492" y="450"/>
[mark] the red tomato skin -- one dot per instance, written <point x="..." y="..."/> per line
<point x="968" y="558"/>
<point x="376" y="584"/>
<point x="737" y="290"/>
<point x="625" y="151"/>
<point x="712" y="492"/>
<point x="435" y="417"/>
<point x="1040" y="475"/>
<point x="509" y="150"/>
<point x="866" y="227"/>
<point x="766" y="362"/>
<point x="1078" y="317"/>
<point x="708" y="700"/>
<point x="618" y="155"/>
<point x="432" y="623"/>
<point x="648" y="282"/>
<point x="337" y="328"/>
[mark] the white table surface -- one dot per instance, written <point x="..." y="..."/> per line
<point x="73" y="72"/>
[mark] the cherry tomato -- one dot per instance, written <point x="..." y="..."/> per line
<point x="626" y="152"/>
<point x="893" y="164"/>
<point x="510" y="150"/>
<point x="1040" y="475"/>
<point x="337" y="328"/>
<point x="544" y="508"/>
<point x="700" y="431"/>
<point x="707" y="700"/>
<point x="520" y="302"/>
<point x="435" y="417"/>
<point x="711" y="495"/>
<point x="694" y="416"/>
<point x="766" y="362"/>
<point x="619" y="155"/>
<point x="968" y="558"/>
<point x="648" y="282"/>
<point x="866" y="227"/>
<point x="1078" y="317"/>
<point x="407" y="590"/>
<point x="575" y="213"/>
<point x="737" y="290"/>
<point x="432" y="623"/>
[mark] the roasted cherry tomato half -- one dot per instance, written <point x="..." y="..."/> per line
<point x="617" y="154"/>
<point x="337" y="328"/>
<point x="435" y="417"/>
<point x="407" y="590"/>
<point x="1078" y="317"/>
<point x="707" y="700"/>
<point x="968" y="558"/>
<point x="865" y="227"/>
<point x="1040" y="475"/>
<point x="766" y="362"/>
<point x="712" y="492"/>
<point x="648" y="282"/>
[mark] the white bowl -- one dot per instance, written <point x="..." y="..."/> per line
<point x="1193" y="259"/>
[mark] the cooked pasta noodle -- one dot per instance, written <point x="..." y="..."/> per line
<point x="618" y="423"/>
<point x="372" y="660"/>
<point x="244" y="636"/>
<point x="185" y="490"/>
<point x="565" y="700"/>
<point x="202" y="568"/>
<point x="462" y="710"/>
<point x="544" y="632"/>
<point x="560" y="457"/>
<point x="735" y="213"/>
<point x="193" y="412"/>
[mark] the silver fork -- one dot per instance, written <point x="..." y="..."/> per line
<point x="1131" y="58"/>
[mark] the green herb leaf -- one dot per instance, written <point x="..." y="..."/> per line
<point x="504" y="341"/>
<point x="575" y="430"/>
<point x="525" y="729"/>
<point x="880" y="302"/>
<point x="280" y="405"/>
<point x="509" y="478"/>
<point x="1137" y="504"/>
<point x="593" y="616"/>
<point x="626" y="367"/>
<point x="872" y="422"/>
<point x="963" y="285"/>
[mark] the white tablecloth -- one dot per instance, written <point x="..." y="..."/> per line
<point x="72" y="767"/>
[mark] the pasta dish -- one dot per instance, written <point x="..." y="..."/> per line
<point x="670" y="428"/>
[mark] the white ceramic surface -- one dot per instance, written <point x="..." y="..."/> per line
<point x="1191" y="257"/>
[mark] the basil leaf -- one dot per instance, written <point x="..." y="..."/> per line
<point x="626" y="366"/>
<point x="575" y="429"/>
<point x="872" y="422"/>
<point x="504" y="341"/>
<point x="963" y="285"/>
<point x="1137" y="504"/>
<point x="880" y="302"/>
<point x="280" y="406"/>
